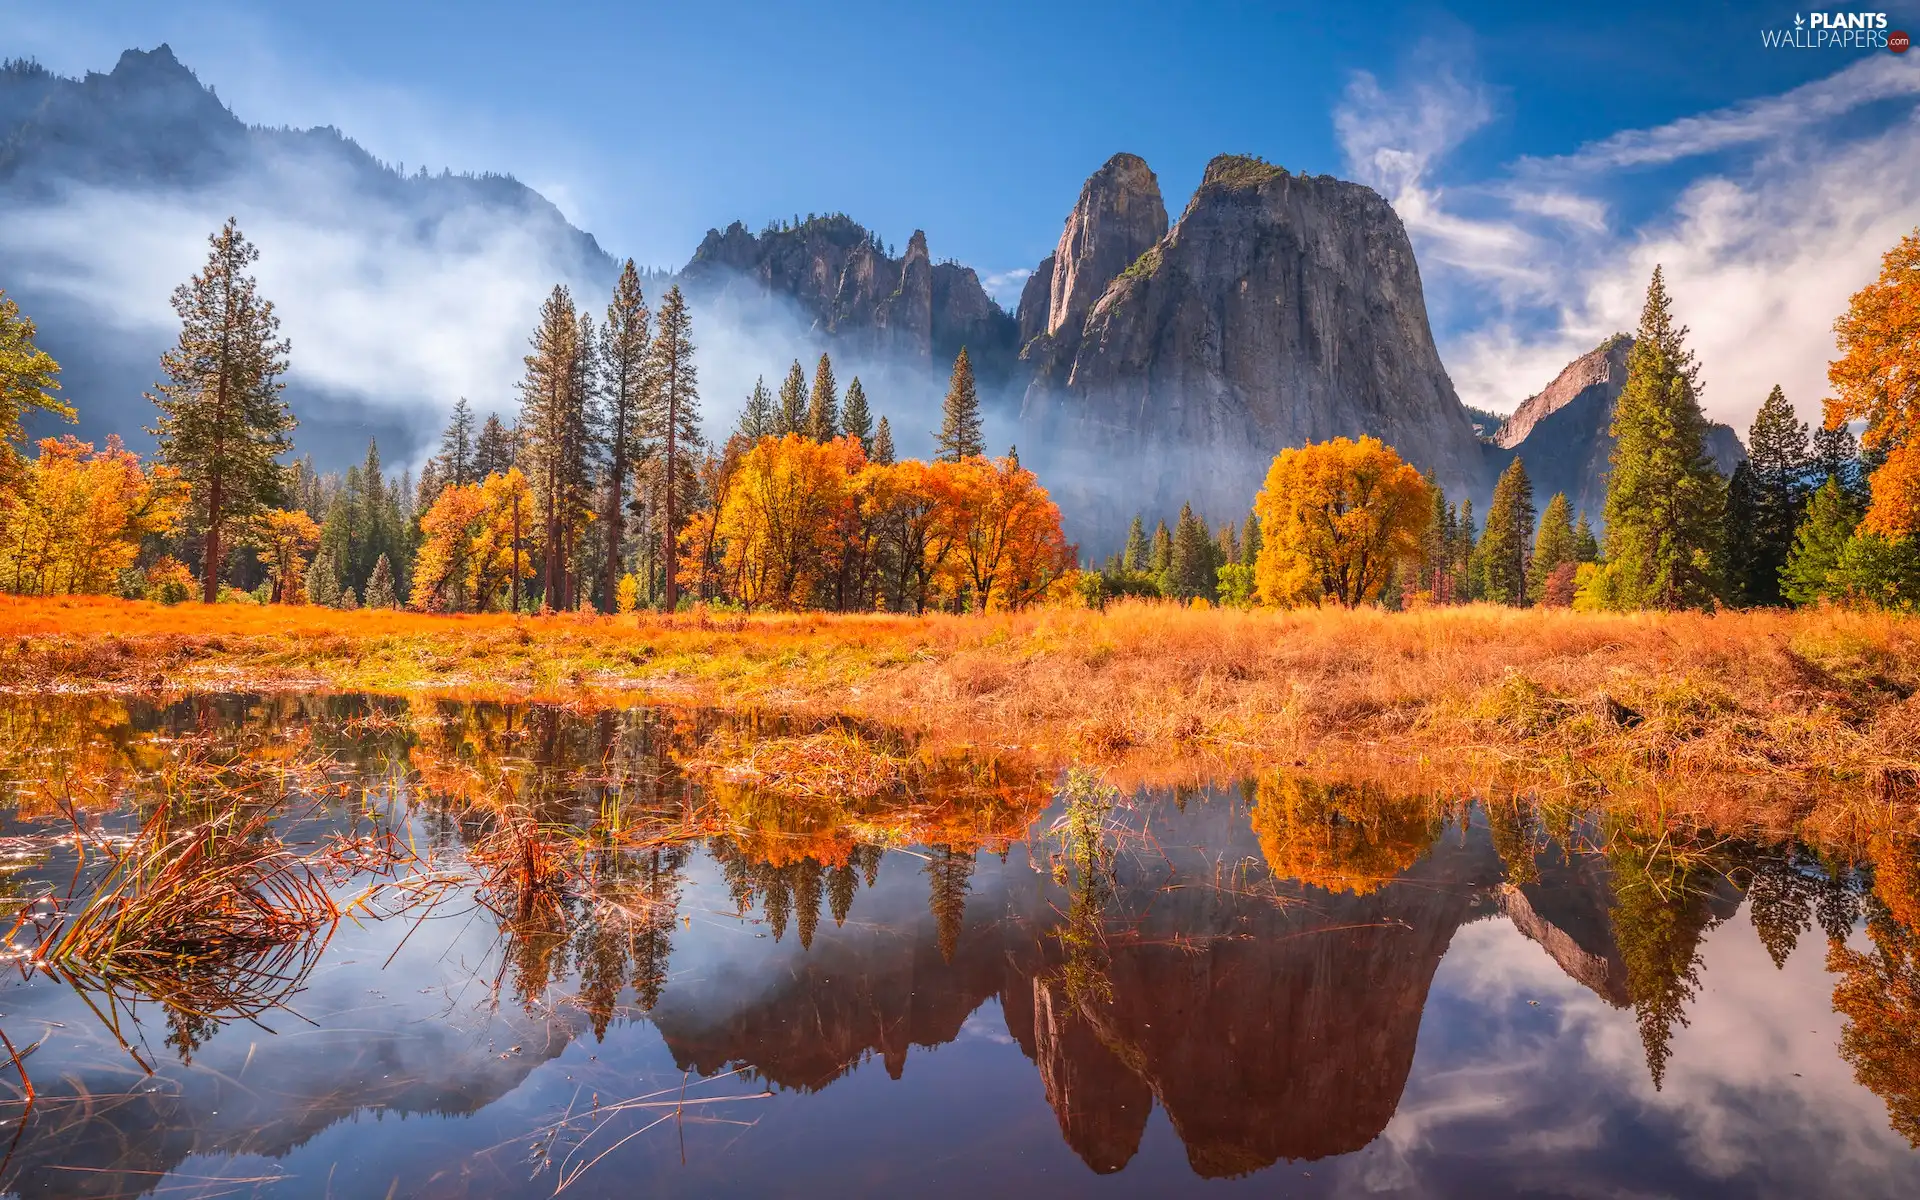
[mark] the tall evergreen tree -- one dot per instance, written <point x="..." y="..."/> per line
<point x="625" y="378"/>
<point x="959" y="437"/>
<point x="759" y="419"/>
<point x="1250" y="539"/>
<point x="1504" y="545"/>
<point x="856" y="419"/>
<point x="1836" y="455"/>
<point x="1779" y="462"/>
<point x="1741" y="577"/>
<point x="222" y="421"/>
<point x="1554" y="545"/>
<point x="495" y="449"/>
<point x="456" y="457"/>
<point x="553" y="425"/>
<point x="1586" y="547"/>
<point x="380" y="587"/>
<point x="793" y="401"/>
<point x="675" y="424"/>
<point x="1190" y="567"/>
<point x="1664" y="498"/>
<point x="823" y="403"/>
<point x="1434" y="575"/>
<point x="883" y="444"/>
<point x="1160" y="552"/>
<point x="1134" y="557"/>
<point x="1818" y="543"/>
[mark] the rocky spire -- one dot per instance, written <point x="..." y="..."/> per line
<point x="1118" y="217"/>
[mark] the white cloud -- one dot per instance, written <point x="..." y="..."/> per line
<point x="1762" y="246"/>
<point x="1004" y="286"/>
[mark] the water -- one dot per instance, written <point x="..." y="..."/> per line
<point x="1024" y="984"/>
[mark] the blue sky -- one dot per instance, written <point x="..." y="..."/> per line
<point x="1504" y="133"/>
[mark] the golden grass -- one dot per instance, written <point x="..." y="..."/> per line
<point x="1743" y="718"/>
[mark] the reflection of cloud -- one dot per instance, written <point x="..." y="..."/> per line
<point x="1783" y="217"/>
<point x="1506" y="1097"/>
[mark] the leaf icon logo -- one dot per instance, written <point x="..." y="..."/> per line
<point x="1798" y="20"/>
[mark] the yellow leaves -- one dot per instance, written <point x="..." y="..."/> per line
<point x="74" y="517"/>
<point x="1007" y="543"/>
<point x="627" y="594"/>
<point x="477" y="545"/>
<point x="284" y="538"/>
<point x="1336" y="516"/>
<point x="1877" y="376"/>
<point x="1340" y="837"/>
<point x="790" y="505"/>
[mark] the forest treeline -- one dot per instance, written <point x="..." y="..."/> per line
<point x="1809" y="515"/>
<point x="601" y="491"/>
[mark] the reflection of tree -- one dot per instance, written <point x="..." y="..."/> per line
<point x="1790" y="890"/>
<point x="1661" y="908"/>
<point x="1340" y="837"/>
<point x="1085" y="867"/>
<point x="949" y="872"/>
<point x="1517" y="837"/>
<point x="1879" y="991"/>
<point x="628" y="933"/>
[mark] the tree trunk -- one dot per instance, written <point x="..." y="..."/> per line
<point x="666" y="534"/>
<point x="210" y="560"/>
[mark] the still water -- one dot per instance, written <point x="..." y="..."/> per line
<point x="982" y="981"/>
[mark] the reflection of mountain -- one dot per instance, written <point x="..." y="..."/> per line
<point x="1566" y="912"/>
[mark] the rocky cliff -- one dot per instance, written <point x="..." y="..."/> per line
<point x="1280" y="309"/>
<point x="858" y="296"/>
<point x="1562" y="432"/>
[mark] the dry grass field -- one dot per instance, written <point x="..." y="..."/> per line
<point x="1768" y="719"/>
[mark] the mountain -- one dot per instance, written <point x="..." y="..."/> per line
<point x="1562" y="432"/>
<point x="858" y="296"/>
<point x="110" y="181"/>
<point x="1279" y="309"/>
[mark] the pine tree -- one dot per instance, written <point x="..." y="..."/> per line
<point x="1742" y="579"/>
<point x="1836" y="455"/>
<point x="1250" y="539"/>
<point x="1664" y="498"/>
<point x="959" y="437"/>
<point x="949" y="872"/>
<point x="1504" y="545"/>
<point x="1160" y="554"/>
<point x="1555" y="544"/>
<point x="625" y="379"/>
<point x="1818" y="543"/>
<point x="553" y="424"/>
<point x="793" y="402"/>
<point x="222" y="421"/>
<point x="856" y="419"/>
<point x="380" y="589"/>
<point x="1434" y="545"/>
<point x="823" y="403"/>
<point x="1586" y="547"/>
<point x="456" y="457"/>
<point x="883" y="444"/>
<point x="1190" y="569"/>
<point x="494" y="451"/>
<point x="1779" y="462"/>
<point x="1134" y="557"/>
<point x="674" y="423"/>
<point x="29" y="377"/>
<point x="758" y="419"/>
<point x="323" y="580"/>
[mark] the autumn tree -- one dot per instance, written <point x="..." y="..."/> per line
<point x="1505" y="543"/>
<point x="1876" y="379"/>
<point x="787" y="497"/>
<point x="1007" y="542"/>
<point x="442" y="572"/>
<point x="78" y="516"/>
<point x="1335" y="517"/>
<point x="673" y="420"/>
<point x="960" y="436"/>
<point x="497" y="562"/>
<point x="554" y="425"/>
<point x="625" y="377"/>
<point x="284" y="538"/>
<point x="823" y="403"/>
<point x="856" y="419"/>
<point x="222" y="422"/>
<point x="1664" y="497"/>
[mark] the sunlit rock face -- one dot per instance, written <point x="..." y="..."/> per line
<point x="1280" y="309"/>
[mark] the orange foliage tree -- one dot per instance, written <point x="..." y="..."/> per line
<point x="475" y="552"/>
<point x="284" y="538"/>
<point x="1877" y="378"/>
<point x="788" y="502"/>
<point x="1006" y="540"/>
<point x="76" y="517"/>
<point x="1335" y="517"/>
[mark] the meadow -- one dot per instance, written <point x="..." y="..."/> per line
<point x="1783" y="721"/>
